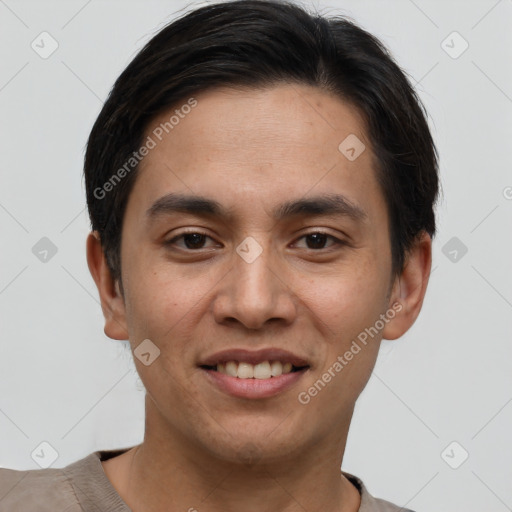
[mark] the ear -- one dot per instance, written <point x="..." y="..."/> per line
<point x="112" y="302"/>
<point x="409" y="288"/>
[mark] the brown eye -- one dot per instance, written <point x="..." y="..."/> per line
<point x="192" y="240"/>
<point x="316" y="240"/>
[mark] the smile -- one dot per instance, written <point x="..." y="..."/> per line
<point x="263" y="370"/>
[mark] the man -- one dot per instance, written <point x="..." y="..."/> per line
<point x="261" y="184"/>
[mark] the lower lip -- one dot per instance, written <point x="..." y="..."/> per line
<point x="253" y="388"/>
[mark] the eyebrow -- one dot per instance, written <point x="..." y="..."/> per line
<point x="329" y="204"/>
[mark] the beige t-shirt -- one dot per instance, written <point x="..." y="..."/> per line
<point x="83" y="486"/>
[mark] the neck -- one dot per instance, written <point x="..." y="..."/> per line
<point x="167" y="473"/>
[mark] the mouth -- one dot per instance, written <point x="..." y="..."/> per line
<point x="262" y="370"/>
<point x="254" y="374"/>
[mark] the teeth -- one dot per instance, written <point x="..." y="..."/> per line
<point x="263" y="370"/>
<point x="231" y="368"/>
<point x="276" y="368"/>
<point x="245" y="371"/>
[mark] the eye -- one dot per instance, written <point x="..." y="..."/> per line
<point x="318" y="239"/>
<point x="192" y="239"/>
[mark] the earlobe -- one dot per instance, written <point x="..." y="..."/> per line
<point x="112" y="302"/>
<point x="410" y="287"/>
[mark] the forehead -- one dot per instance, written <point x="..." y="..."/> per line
<point x="278" y="118"/>
<point x="253" y="145"/>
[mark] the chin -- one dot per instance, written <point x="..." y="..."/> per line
<point x="257" y="448"/>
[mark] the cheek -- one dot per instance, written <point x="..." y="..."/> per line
<point x="154" y="291"/>
<point x="163" y="305"/>
<point x="347" y="310"/>
<point x="158" y="309"/>
<point x="349" y="300"/>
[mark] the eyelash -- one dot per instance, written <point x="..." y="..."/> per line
<point x="337" y="241"/>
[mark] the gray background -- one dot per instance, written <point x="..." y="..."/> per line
<point x="448" y="379"/>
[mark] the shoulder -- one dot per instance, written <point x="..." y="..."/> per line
<point x="368" y="502"/>
<point x="41" y="490"/>
<point x="74" y="488"/>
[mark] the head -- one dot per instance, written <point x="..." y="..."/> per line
<point x="314" y="177"/>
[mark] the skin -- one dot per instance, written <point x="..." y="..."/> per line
<point x="251" y="150"/>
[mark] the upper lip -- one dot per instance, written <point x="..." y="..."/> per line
<point x="253" y="357"/>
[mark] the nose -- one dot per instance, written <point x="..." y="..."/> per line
<point x="255" y="293"/>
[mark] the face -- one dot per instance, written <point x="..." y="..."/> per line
<point x="247" y="275"/>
